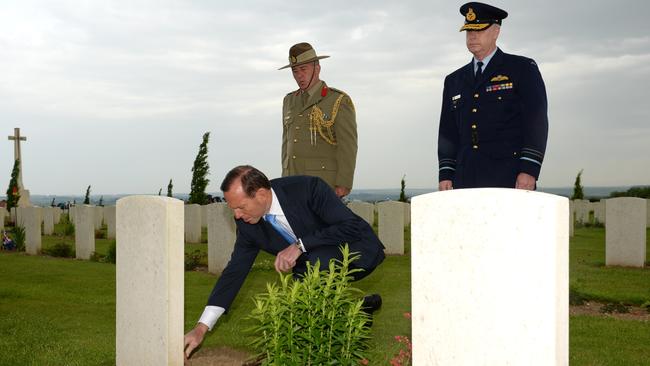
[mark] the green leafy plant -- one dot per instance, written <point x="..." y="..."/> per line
<point x="100" y="234"/>
<point x="19" y="238"/>
<point x="111" y="255"/>
<point x="316" y="320"/>
<point x="193" y="259"/>
<point x="615" y="307"/>
<point x="61" y="249"/>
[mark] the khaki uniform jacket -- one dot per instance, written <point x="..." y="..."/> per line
<point x="319" y="135"/>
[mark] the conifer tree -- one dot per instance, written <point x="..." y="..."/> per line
<point x="200" y="170"/>
<point x="52" y="204"/>
<point x="160" y="191"/>
<point x="577" y="188"/>
<point x="169" y="188"/>
<point x="87" y="199"/>
<point x="13" y="193"/>
<point x="402" y="195"/>
<point x="101" y="201"/>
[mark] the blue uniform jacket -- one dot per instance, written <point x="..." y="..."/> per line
<point x="316" y="216"/>
<point x="493" y="128"/>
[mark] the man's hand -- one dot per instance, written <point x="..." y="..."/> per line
<point x="341" y="191"/>
<point x="286" y="259"/>
<point x="525" y="181"/>
<point x="445" y="185"/>
<point x="194" y="338"/>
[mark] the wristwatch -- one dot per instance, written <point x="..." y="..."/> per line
<point x="300" y="245"/>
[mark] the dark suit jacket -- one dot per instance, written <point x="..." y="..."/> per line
<point x="316" y="216"/>
<point x="494" y="128"/>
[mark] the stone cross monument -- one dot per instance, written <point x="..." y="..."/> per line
<point x="24" y="194"/>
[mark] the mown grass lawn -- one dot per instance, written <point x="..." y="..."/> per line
<point x="57" y="311"/>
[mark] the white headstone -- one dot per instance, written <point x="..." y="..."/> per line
<point x="149" y="281"/>
<point x="13" y="215"/>
<point x="20" y="216"/>
<point x="572" y="218"/>
<point x="647" y="201"/>
<point x="57" y="215"/>
<point x="193" y="223"/>
<point x="582" y="211"/>
<point x="364" y="210"/>
<point x="99" y="217"/>
<point x="391" y="226"/>
<point x="31" y="218"/>
<point x="625" y="232"/>
<point x="407" y="214"/>
<point x="204" y="216"/>
<point x="599" y="211"/>
<point x="3" y="214"/>
<point x="221" y="236"/>
<point x="483" y="262"/>
<point x="71" y="213"/>
<point x="84" y="231"/>
<point x="109" y="218"/>
<point x="48" y="220"/>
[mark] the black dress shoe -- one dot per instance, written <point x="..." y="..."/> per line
<point x="371" y="303"/>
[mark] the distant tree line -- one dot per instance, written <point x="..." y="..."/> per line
<point x="641" y="192"/>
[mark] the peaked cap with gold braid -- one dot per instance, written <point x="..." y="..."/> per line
<point x="300" y="54"/>
<point x="479" y="16"/>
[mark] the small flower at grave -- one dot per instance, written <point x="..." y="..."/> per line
<point x="407" y="315"/>
<point x="364" y="361"/>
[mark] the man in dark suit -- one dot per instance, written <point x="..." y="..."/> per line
<point x="298" y="219"/>
<point x="494" y="123"/>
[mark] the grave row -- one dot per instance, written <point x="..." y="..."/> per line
<point x="466" y="245"/>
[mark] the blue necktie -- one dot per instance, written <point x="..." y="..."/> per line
<point x="271" y="219"/>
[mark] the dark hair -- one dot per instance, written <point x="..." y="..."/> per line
<point x="251" y="179"/>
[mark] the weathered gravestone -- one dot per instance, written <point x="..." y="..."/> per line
<point x="48" y="220"/>
<point x="391" y="226"/>
<point x="3" y="214"/>
<point x="149" y="281"/>
<point x="647" y="201"/>
<point x="193" y="223"/>
<point x="12" y="215"/>
<point x="625" y="232"/>
<point x="364" y="210"/>
<point x="31" y="218"/>
<point x="483" y="261"/>
<point x="84" y="231"/>
<point x="109" y="219"/>
<point x="221" y="236"/>
<point x="582" y="211"/>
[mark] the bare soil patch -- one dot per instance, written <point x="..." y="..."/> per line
<point x="592" y="308"/>
<point x="222" y="356"/>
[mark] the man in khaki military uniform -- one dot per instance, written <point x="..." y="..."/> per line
<point x="319" y="128"/>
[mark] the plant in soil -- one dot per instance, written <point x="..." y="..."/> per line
<point x="314" y="320"/>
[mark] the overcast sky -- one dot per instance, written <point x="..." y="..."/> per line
<point x="117" y="94"/>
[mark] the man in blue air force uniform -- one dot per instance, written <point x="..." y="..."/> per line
<point x="493" y="124"/>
